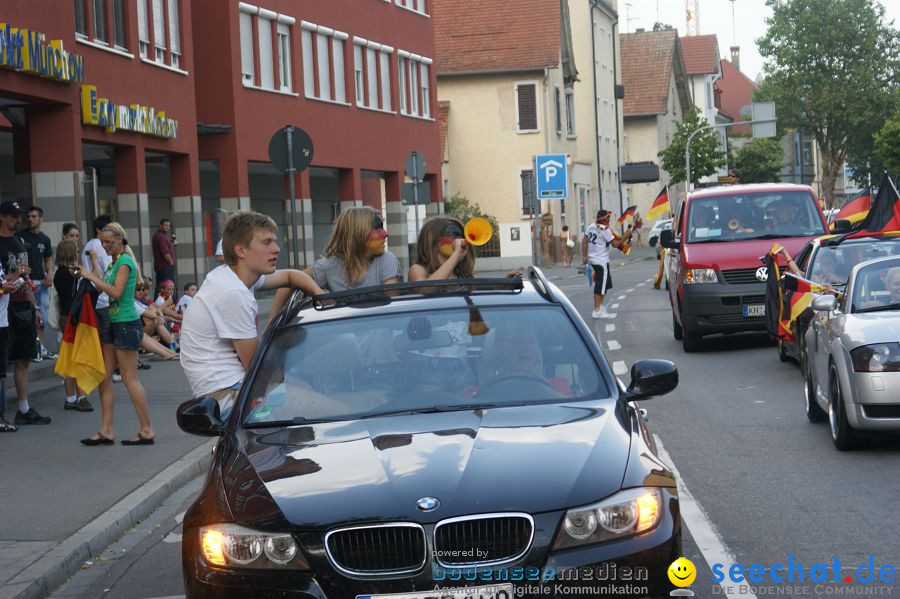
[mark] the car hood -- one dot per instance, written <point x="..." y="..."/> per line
<point x="524" y="458"/>
<point x="874" y="327"/>
<point x="729" y="255"/>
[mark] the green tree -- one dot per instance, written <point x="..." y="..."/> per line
<point x="458" y="206"/>
<point x="759" y="160"/>
<point x="832" y="68"/>
<point x="887" y="145"/>
<point x="706" y="155"/>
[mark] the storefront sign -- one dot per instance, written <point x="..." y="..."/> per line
<point x="28" y="52"/>
<point x="146" y="120"/>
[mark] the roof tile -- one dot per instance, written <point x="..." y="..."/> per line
<point x="647" y="70"/>
<point x="701" y="54"/>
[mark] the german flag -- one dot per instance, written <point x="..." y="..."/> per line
<point x="627" y="216"/>
<point x="660" y="206"/>
<point x="857" y="208"/>
<point x="802" y="293"/>
<point x="80" y="353"/>
<point x="884" y="213"/>
<point x="775" y="323"/>
<point x="625" y="248"/>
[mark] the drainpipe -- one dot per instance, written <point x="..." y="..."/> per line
<point x="594" y="101"/>
<point x="595" y="5"/>
<point x="616" y="102"/>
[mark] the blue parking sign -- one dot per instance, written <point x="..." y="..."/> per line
<point x="552" y="177"/>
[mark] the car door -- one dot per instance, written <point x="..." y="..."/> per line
<point x="673" y="259"/>
<point x="824" y="328"/>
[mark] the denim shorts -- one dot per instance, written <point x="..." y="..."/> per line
<point x="103" y="326"/>
<point x="127" y="335"/>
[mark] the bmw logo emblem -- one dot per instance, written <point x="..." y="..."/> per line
<point x="428" y="504"/>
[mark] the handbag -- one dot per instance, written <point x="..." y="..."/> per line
<point x="570" y="242"/>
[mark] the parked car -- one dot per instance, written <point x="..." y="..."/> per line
<point x="379" y="443"/>
<point x="716" y="283"/>
<point x="828" y="261"/>
<point x="661" y="224"/>
<point x="853" y="370"/>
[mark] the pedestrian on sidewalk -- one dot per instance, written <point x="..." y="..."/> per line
<point x="40" y="250"/>
<point x="7" y="287"/>
<point x="163" y="254"/>
<point x="23" y="345"/>
<point x="595" y="248"/>
<point x="568" y="245"/>
<point x="122" y="337"/>
<point x="70" y="231"/>
<point x="219" y="332"/>
<point x="65" y="283"/>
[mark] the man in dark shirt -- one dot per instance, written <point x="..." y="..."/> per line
<point x="163" y="253"/>
<point x="40" y="250"/>
<point x="23" y="346"/>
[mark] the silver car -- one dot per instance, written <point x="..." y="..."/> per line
<point x="851" y="361"/>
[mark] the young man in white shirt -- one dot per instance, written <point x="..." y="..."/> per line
<point x="595" y="248"/>
<point x="219" y="332"/>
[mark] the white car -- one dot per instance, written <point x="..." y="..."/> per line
<point x="663" y="223"/>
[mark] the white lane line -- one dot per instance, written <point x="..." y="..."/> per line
<point x="621" y="297"/>
<point x="702" y="529"/>
<point x="629" y="290"/>
<point x="172" y="537"/>
<point x="613" y="345"/>
<point x="610" y="328"/>
<point x="614" y="306"/>
<point x="612" y="315"/>
<point x="620" y="367"/>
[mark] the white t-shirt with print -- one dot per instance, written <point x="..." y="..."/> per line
<point x="183" y="303"/>
<point x="103" y="259"/>
<point x="223" y="309"/>
<point x="599" y="238"/>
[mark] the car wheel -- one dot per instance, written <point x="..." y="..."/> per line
<point x="814" y="412"/>
<point x="782" y="354"/>
<point x="676" y="328"/>
<point x="652" y="241"/>
<point x="841" y="432"/>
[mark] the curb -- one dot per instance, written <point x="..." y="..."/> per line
<point x="64" y="560"/>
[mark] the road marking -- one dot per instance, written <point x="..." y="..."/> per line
<point x="702" y="529"/>
<point x="620" y="367"/>
<point x="613" y="345"/>
<point x="629" y="290"/>
<point x="614" y="306"/>
<point x="172" y="537"/>
<point x="612" y="315"/>
<point x="180" y="517"/>
<point x="610" y="328"/>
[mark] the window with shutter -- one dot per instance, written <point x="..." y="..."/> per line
<point x="323" y="66"/>
<point x="359" y="75"/>
<point x="266" y="60"/>
<point x="309" y="68"/>
<point x="337" y="50"/>
<point x="385" y="60"/>
<point x="247" y="67"/>
<point x="119" y="23"/>
<point x="174" y="33"/>
<point x="413" y="87"/>
<point x="372" y="77"/>
<point x="99" y="20"/>
<point x="570" y="113"/>
<point x="527" y="191"/>
<point x="556" y="108"/>
<point x="426" y="101"/>
<point x="159" y="31"/>
<point x="401" y="72"/>
<point x="143" y="27"/>
<point x="526" y="106"/>
<point x="80" y="20"/>
<point x="284" y="56"/>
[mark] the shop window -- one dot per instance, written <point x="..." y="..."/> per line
<point x="414" y="84"/>
<point x="372" y="74"/>
<point x="323" y="63"/>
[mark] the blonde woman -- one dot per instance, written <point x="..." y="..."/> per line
<point x="442" y="251"/>
<point x="65" y="284"/>
<point x="123" y="339"/>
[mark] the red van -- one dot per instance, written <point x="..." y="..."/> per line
<point x="715" y="279"/>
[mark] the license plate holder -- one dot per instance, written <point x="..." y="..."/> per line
<point x="754" y="310"/>
<point x="485" y="591"/>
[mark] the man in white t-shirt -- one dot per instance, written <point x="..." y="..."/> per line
<point x="219" y="332"/>
<point x="595" y="248"/>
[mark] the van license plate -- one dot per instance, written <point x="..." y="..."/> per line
<point x="755" y="310"/>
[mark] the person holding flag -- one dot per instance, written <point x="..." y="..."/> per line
<point x="598" y="237"/>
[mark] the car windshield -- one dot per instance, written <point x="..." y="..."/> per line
<point x="746" y="216"/>
<point x="831" y="265"/>
<point x="877" y="287"/>
<point x="423" y="361"/>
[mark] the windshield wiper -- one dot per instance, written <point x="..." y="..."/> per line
<point x="878" y="308"/>
<point x="713" y="240"/>
<point x="296" y="420"/>
<point x="434" y="409"/>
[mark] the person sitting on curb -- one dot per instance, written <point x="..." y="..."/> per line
<point x="219" y="332"/>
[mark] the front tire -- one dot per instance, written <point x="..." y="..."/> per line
<point x="842" y="434"/>
<point x="814" y="412"/>
<point x="676" y="328"/>
<point x="782" y="354"/>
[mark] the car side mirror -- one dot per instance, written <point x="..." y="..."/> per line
<point x="825" y="303"/>
<point x="200" y="416"/>
<point x="841" y="225"/>
<point x="667" y="239"/>
<point x="650" y="378"/>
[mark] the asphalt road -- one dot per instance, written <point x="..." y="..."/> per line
<point x="761" y="485"/>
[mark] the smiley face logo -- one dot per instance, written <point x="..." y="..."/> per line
<point x="682" y="572"/>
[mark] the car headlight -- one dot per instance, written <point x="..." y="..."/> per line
<point x="699" y="275"/>
<point x="878" y="357"/>
<point x="624" y="514"/>
<point x="235" y="545"/>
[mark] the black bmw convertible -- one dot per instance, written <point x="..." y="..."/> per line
<point x="410" y="441"/>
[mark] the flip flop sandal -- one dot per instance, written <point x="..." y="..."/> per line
<point x="141" y="440"/>
<point x="100" y="440"/>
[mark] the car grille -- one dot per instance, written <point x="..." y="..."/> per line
<point x="733" y="319"/>
<point x="753" y="299"/>
<point x="882" y="411"/>
<point x="382" y="549"/>
<point x="484" y="539"/>
<point x="740" y="275"/>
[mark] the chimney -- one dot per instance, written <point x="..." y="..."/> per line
<point x="736" y="57"/>
<point x="639" y="30"/>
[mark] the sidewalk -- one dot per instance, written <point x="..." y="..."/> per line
<point x="65" y="503"/>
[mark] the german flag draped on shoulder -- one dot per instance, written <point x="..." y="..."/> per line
<point x="80" y="353"/>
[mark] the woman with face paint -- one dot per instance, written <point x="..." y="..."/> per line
<point x="442" y="252"/>
<point x="356" y="254"/>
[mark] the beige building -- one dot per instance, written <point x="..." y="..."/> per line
<point x="509" y="90"/>
<point x="657" y="94"/>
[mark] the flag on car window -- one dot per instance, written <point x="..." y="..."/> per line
<point x="803" y="291"/>
<point x="627" y="216"/>
<point x="884" y="213"/>
<point x="660" y="206"/>
<point x="856" y="209"/>
<point x="776" y="324"/>
<point x="80" y="353"/>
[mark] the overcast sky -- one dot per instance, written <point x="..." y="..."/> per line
<point x="715" y="17"/>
